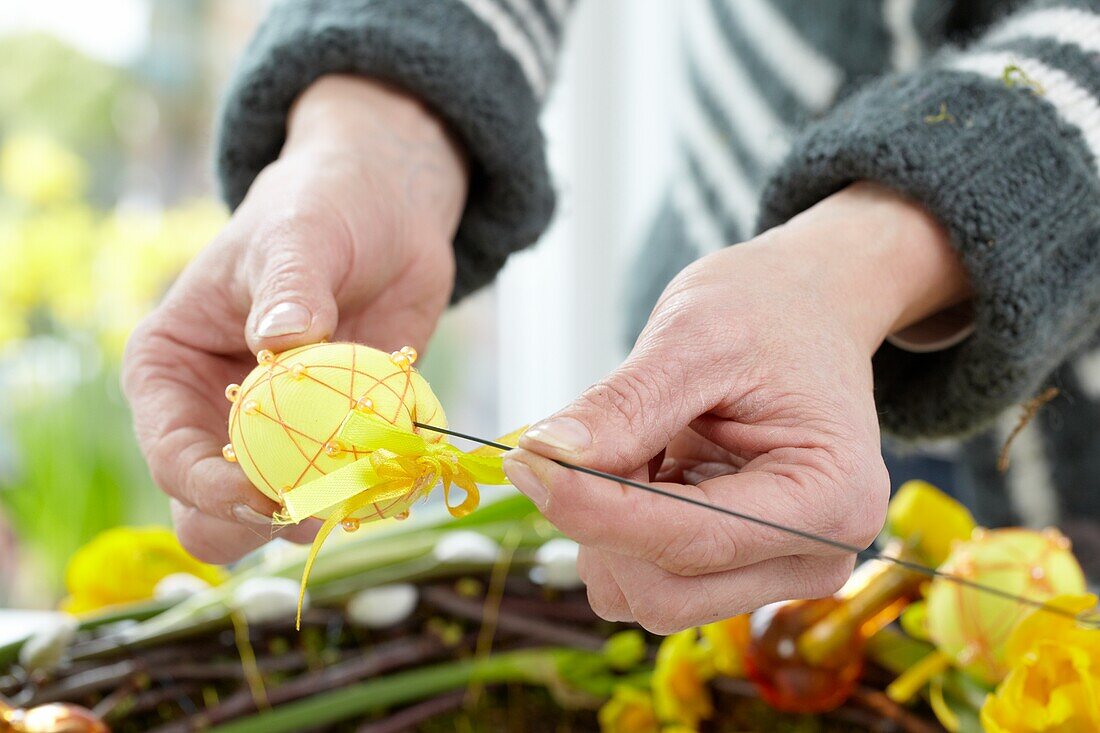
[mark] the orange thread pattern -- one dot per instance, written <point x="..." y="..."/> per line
<point x="277" y="367"/>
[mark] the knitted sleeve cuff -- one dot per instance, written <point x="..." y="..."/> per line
<point x="439" y="51"/>
<point x="1015" y="185"/>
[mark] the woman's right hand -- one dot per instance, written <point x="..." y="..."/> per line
<point x="346" y="236"/>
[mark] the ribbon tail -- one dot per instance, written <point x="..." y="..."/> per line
<point x="322" y="534"/>
<point x="473" y="496"/>
<point x="381" y="492"/>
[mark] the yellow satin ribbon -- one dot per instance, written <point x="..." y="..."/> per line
<point x="399" y="465"/>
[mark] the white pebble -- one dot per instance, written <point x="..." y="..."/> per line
<point x="556" y="565"/>
<point x="178" y="587"/>
<point x="265" y="599"/>
<point x="465" y="546"/>
<point x="383" y="606"/>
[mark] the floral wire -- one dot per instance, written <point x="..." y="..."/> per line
<point x="1086" y="618"/>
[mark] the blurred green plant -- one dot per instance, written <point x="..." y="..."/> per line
<point x="73" y="478"/>
<point x="79" y="271"/>
<point x="47" y="86"/>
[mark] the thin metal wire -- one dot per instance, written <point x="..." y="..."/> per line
<point x="1089" y="618"/>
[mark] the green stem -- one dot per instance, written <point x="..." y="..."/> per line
<point x="529" y="665"/>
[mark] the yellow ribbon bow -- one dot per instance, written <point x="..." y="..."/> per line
<point x="399" y="468"/>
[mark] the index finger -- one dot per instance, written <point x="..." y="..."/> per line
<point x="692" y="540"/>
<point x="180" y="424"/>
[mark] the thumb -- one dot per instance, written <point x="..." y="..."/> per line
<point x="628" y="418"/>
<point x="292" y="299"/>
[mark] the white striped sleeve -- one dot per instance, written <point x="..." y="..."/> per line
<point x="514" y="39"/>
<point x="1072" y="101"/>
<point x="1054" y="49"/>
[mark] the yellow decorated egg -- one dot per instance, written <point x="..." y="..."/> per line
<point x="971" y="625"/>
<point x="286" y="415"/>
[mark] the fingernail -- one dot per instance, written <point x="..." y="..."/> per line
<point x="248" y="515"/>
<point x="283" y="320"/>
<point x="524" y="479"/>
<point x="563" y="433"/>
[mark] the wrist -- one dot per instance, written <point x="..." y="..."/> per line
<point x="338" y="109"/>
<point x="885" y="261"/>
<point x="397" y="141"/>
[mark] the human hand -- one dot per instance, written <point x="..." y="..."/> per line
<point x="346" y="236"/>
<point x="754" y="376"/>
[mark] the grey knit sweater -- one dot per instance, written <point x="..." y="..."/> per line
<point x="987" y="112"/>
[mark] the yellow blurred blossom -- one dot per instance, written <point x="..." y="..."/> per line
<point x="726" y="642"/>
<point x="48" y="255"/>
<point x="929" y="519"/>
<point x="124" y="565"/>
<point x="72" y="268"/>
<point x="680" y="680"/>
<point x="629" y="710"/>
<point x="37" y="170"/>
<point x="1053" y="684"/>
<point x="138" y="254"/>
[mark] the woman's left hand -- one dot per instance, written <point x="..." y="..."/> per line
<point x="753" y="375"/>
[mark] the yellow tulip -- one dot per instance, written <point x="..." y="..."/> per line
<point x="726" y="642"/>
<point x="37" y="170"/>
<point x="680" y="678"/>
<point x="629" y="710"/>
<point x="1053" y="684"/>
<point x="929" y="519"/>
<point x="124" y="565"/>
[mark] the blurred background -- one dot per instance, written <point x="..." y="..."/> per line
<point x="106" y="191"/>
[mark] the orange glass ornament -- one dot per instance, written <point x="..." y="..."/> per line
<point x="807" y="656"/>
<point x="51" y="718"/>
<point x="782" y="677"/>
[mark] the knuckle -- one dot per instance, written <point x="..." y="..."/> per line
<point x="700" y="549"/>
<point x="601" y="602"/>
<point x="623" y="395"/>
<point x="660" y="610"/>
<point x="865" y="507"/>
<point x="828" y="577"/>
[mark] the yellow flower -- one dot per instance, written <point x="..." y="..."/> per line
<point x="629" y="710"/>
<point x="1053" y="684"/>
<point x="124" y="565"/>
<point x="726" y="642"/>
<point x="929" y="519"/>
<point x="36" y="169"/>
<point x="680" y="680"/>
<point x="138" y="255"/>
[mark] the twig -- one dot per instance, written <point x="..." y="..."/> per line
<point x="567" y="611"/>
<point x="414" y="715"/>
<point x="877" y="702"/>
<point x="1031" y="408"/>
<point x="83" y="683"/>
<point x="111" y="702"/>
<point x="512" y="622"/>
<point x="385" y="657"/>
<point x="152" y="699"/>
<point x="735" y="686"/>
